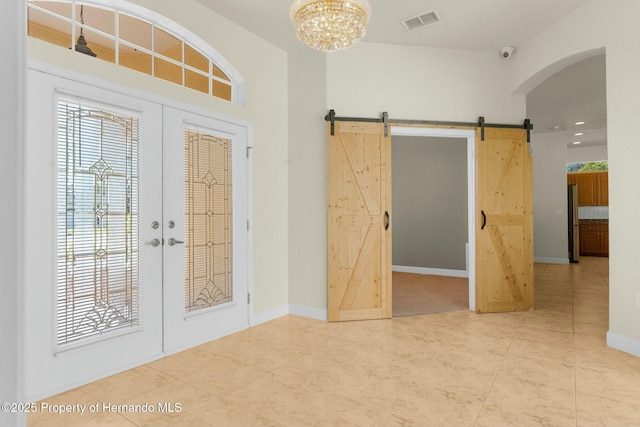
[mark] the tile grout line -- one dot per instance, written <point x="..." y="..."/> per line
<point x="434" y="357"/>
<point x="214" y="395"/>
<point x="494" y="378"/>
<point x="98" y="400"/>
<point x="396" y="397"/>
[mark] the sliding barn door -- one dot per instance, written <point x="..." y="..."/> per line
<point x="504" y="237"/>
<point x="359" y="222"/>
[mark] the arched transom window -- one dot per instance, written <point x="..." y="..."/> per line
<point x="135" y="38"/>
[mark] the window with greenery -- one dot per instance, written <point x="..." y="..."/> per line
<point x="129" y="41"/>
<point x="588" y="166"/>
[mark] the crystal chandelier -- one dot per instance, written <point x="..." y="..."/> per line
<point x="329" y="25"/>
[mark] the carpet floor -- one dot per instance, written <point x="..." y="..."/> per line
<point x="416" y="294"/>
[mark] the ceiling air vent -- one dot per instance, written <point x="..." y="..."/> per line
<point x="421" y="21"/>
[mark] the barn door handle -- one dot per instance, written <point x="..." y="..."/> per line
<point x="484" y="220"/>
<point x="386" y="220"/>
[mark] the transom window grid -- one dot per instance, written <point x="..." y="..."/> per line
<point x="129" y="41"/>
<point x="97" y="223"/>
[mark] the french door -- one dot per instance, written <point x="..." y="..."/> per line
<point x="205" y="221"/>
<point x="135" y="232"/>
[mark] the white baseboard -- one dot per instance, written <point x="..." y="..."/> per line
<point x="545" y="260"/>
<point x="297" y="310"/>
<point x="308" y="312"/>
<point x="271" y="314"/>
<point x="623" y="343"/>
<point x="434" y="271"/>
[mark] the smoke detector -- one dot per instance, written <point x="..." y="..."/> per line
<point x="420" y="21"/>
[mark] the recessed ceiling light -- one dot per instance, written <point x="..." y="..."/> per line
<point x="578" y="134"/>
<point x="577" y="142"/>
<point x="556" y="127"/>
<point x="579" y="123"/>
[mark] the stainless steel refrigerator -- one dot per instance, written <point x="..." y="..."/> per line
<point x="574" y="231"/>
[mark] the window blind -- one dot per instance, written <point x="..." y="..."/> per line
<point x="97" y="222"/>
<point x="208" y="231"/>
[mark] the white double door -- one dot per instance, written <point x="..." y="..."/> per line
<point x="136" y="241"/>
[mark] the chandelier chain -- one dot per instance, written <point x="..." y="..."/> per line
<point x="81" y="19"/>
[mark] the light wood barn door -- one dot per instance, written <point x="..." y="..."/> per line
<point x="504" y="238"/>
<point x="359" y="222"/>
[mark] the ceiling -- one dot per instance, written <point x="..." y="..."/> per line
<point x="575" y="93"/>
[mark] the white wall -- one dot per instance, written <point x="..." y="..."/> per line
<point x="550" y="241"/>
<point x="264" y="68"/>
<point x="613" y="26"/>
<point x="587" y="154"/>
<point x="422" y="83"/>
<point x="307" y="183"/>
<point x="11" y="122"/>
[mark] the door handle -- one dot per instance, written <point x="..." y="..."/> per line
<point x="154" y="242"/>
<point x="173" y="241"/>
<point x="386" y="220"/>
<point x="484" y="220"/>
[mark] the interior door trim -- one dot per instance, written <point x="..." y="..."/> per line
<point x="470" y="136"/>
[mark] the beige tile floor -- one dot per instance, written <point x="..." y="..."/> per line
<point x="548" y="367"/>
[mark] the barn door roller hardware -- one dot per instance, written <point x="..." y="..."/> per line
<point x="385" y="120"/>
<point x="331" y="117"/>
<point x="482" y="125"/>
<point x="528" y="126"/>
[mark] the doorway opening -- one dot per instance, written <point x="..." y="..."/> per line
<point x="433" y="198"/>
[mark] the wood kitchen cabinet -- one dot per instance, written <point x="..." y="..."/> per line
<point x="594" y="239"/>
<point x="603" y="189"/>
<point x="593" y="187"/>
<point x="604" y="240"/>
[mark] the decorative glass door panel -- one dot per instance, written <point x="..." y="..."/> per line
<point x="208" y="221"/>
<point x="206" y="212"/>
<point x="97" y="245"/>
